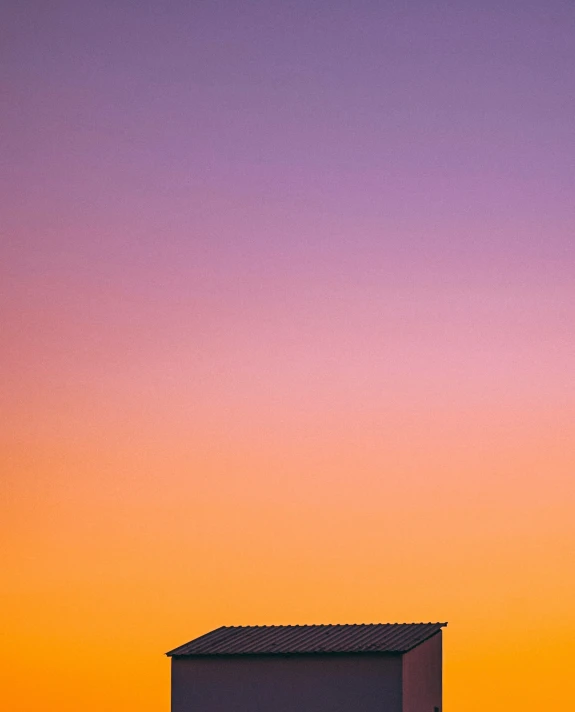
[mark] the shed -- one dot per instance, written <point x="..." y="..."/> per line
<point x="388" y="667"/>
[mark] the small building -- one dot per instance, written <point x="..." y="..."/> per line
<point x="384" y="667"/>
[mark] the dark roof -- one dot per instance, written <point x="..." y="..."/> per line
<point x="306" y="639"/>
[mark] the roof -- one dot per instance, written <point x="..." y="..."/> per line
<point x="307" y="639"/>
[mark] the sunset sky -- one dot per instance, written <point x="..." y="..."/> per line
<point x="287" y="315"/>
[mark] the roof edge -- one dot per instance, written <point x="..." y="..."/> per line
<point x="429" y="637"/>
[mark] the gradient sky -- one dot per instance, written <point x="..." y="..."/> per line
<point x="288" y="295"/>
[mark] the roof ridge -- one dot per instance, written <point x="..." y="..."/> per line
<point x="324" y="625"/>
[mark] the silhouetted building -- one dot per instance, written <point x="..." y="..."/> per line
<point x="387" y="667"/>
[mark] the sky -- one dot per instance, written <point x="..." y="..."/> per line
<point x="287" y="304"/>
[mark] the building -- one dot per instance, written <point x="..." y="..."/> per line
<point x="388" y="667"/>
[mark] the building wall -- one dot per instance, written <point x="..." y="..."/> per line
<point x="312" y="683"/>
<point x="422" y="683"/>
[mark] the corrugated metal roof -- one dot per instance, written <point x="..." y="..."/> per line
<point x="306" y="639"/>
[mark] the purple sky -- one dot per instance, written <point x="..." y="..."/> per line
<point x="289" y="136"/>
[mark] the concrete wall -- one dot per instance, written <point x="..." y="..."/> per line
<point x="312" y="683"/>
<point x="422" y="683"/>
